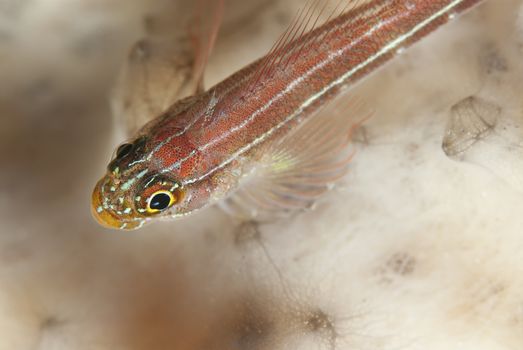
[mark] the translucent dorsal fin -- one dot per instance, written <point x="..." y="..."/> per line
<point x="292" y="42"/>
<point x="165" y="67"/>
<point x="302" y="166"/>
<point x="208" y="19"/>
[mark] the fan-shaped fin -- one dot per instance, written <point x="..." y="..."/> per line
<point x="302" y="166"/>
<point x="300" y="34"/>
<point x="164" y="68"/>
<point x="205" y="31"/>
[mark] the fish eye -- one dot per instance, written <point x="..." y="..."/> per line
<point x="156" y="193"/>
<point x="123" y="150"/>
<point x="159" y="201"/>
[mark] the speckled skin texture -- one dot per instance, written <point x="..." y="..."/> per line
<point x="199" y="142"/>
<point x="414" y="251"/>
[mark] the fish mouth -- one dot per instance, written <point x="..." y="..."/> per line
<point x="106" y="217"/>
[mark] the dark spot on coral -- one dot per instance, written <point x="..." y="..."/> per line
<point x="149" y="23"/>
<point x="318" y="320"/>
<point x="51" y="322"/>
<point x="266" y="321"/>
<point x="412" y="151"/>
<point x="247" y="231"/>
<point x="402" y="264"/>
<point x="253" y="326"/>
<point x="322" y="325"/>
<point x="492" y="60"/>
<point x="412" y="147"/>
<point x="48" y="327"/>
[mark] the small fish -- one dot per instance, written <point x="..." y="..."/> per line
<point x="268" y="139"/>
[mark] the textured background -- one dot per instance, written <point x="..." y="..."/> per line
<point x="414" y="250"/>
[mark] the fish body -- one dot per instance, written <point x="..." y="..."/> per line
<point x="201" y="148"/>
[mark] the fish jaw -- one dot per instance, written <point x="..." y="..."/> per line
<point x="107" y="217"/>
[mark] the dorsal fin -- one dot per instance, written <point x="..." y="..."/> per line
<point x="291" y="43"/>
<point x="204" y="39"/>
<point x="165" y="67"/>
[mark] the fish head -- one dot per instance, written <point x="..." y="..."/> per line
<point x="135" y="191"/>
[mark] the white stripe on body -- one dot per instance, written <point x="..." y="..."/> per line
<point x="212" y="104"/>
<point x="393" y="45"/>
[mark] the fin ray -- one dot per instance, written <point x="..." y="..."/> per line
<point x="163" y="68"/>
<point x="292" y="42"/>
<point x="295" y="171"/>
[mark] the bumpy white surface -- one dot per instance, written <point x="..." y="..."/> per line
<point x="413" y="251"/>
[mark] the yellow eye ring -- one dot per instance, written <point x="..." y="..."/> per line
<point x="160" y="201"/>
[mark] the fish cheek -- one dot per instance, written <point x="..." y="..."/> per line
<point x="197" y="196"/>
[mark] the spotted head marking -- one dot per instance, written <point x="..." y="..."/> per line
<point x="132" y="192"/>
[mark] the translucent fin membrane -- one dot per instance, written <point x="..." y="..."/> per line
<point x="166" y="66"/>
<point x="292" y="43"/>
<point x="305" y="164"/>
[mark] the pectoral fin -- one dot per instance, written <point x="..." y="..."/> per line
<point x="295" y="172"/>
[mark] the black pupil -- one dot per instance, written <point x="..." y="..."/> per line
<point x="160" y="201"/>
<point x="124" y="150"/>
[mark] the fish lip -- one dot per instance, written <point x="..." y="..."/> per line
<point x="107" y="218"/>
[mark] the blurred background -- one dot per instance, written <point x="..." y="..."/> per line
<point x="418" y="248"/>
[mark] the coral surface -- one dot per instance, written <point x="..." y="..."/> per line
<point x="417" y="248"/>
